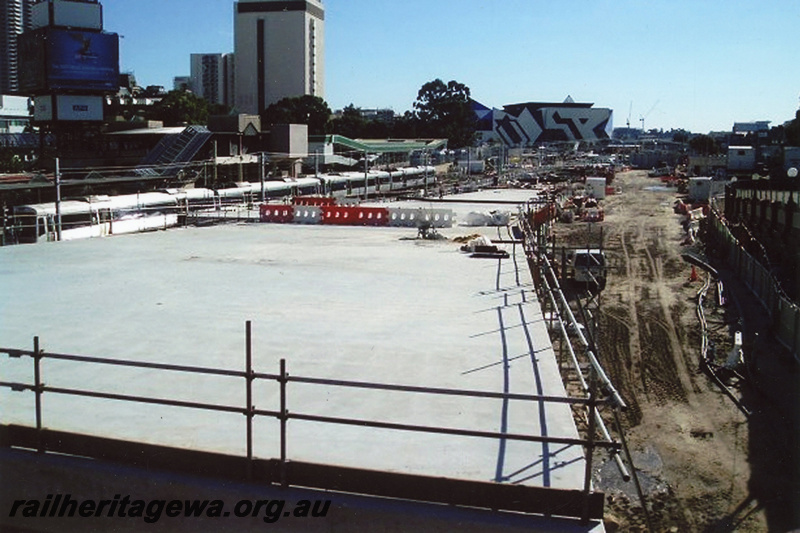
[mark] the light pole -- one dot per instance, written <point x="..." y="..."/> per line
<point x="366" y="171"/>
<point x="261" y="162"/>
<point x="58" y="201"/>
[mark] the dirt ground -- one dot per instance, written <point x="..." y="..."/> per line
<point x="699" y="465"/>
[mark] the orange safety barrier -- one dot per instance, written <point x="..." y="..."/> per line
<point x="355" y="216"/>
<point x="279" y="213"/>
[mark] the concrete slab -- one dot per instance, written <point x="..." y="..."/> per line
<point x="355" y="303"/>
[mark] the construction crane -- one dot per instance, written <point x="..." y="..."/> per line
<point x="642" y="117"/>
<point x="628" y="120"/>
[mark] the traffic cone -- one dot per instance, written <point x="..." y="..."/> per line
<point x="693" y="276"/>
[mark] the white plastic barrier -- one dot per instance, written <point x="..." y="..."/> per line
<point x="307" y="214"/>
<point x="413" y="218"/>
<point x="403" y="217"/>
<point x="492" y="218"/>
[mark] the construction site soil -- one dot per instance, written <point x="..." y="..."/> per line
<point x="703" y="463"/>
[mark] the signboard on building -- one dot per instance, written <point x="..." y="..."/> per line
<point x="57" y="59"/>
<point x="83" y="60"/>
<point x="43" y="108"/>
<point x="67" y="14"/>
<point x="70" y="108"/>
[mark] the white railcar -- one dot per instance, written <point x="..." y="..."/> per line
<point x="97" y="216"/>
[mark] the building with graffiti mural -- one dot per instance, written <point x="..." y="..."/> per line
<point x="526" y="124"/>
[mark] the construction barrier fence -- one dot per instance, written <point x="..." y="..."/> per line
<point x="355" y="215"/>
<point x="307" y="214"/>
<point x="278" y="213"/>
<point x="782" y="311"/>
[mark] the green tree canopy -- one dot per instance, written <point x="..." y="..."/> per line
<point x="350" y="123"/>
<point x="9" y="161"/>
<point x="180" y="107"/>
<point x="445" y="111"/>
<point x="680" y="135"/>
<point x="792" y="130"/>
<point x="703" y="145"/>
<point x="310" y="110"/>
<point x="407" y="126"/>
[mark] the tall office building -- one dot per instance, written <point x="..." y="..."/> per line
<point x="15" y="18"/>
<point x="279" y="51"/>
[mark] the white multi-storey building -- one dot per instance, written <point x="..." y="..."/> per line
<point x="279" y="51"/>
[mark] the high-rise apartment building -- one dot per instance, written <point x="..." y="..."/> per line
<point x="182" y="83"/>
<point x="279" y="51"/>
<point x="15" y="18"/>
<point x="207" y="79"/>
<point x="210" y="75"/>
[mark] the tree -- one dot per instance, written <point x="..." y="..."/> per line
<point x="377" y="129"/>
<point x="792" y="130"/>
<point x="180" y="107"/>
<point x="680" y="136"/>
<point x="306" y="109"/>
<point x="350" y="124"/>
<point x="406" y="126"/>
<point x="445" y="111"/>
<point x="9" y="161"/>
<point x="703" y="145"/>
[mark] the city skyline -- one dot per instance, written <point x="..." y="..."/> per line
<point x="680" y="64"/>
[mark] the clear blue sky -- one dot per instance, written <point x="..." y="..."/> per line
<point x="695" y="64"/>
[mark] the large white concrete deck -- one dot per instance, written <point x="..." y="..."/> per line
<point x="358" y="303"/>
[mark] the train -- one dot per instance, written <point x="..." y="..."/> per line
<point x="98" y="216"/>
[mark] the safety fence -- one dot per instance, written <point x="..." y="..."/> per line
<point x="355" y="215"/>
<point x="582" y="357"/>
<point x="584" y="504"/>
<point x="783" y="312"/>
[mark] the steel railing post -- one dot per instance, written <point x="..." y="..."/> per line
<point x="37" y="379"/>
<point x="249" y="394"/>
<point x="587" y="481"/>
<point x="283" y="417"/>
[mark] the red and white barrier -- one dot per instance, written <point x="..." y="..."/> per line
<point x="277" y="213"/>
<point x="319" y="210"/>
<point x="355" y="216"/>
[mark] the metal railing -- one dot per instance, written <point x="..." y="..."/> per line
<point x="283" y="415"/>
<point x="549" y="291"/>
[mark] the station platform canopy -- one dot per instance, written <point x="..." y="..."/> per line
<point x="380" y="146"/>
